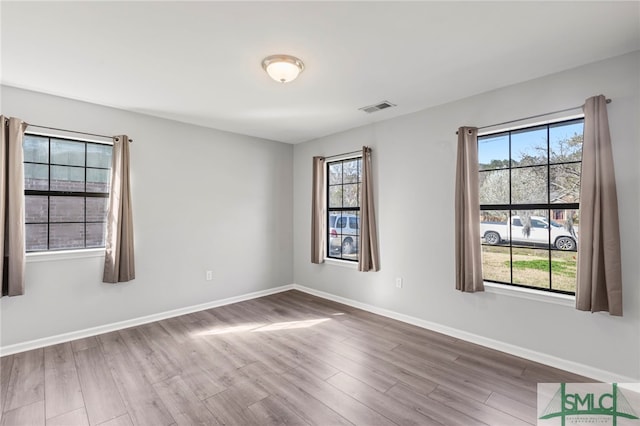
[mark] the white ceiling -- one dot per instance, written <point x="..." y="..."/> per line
<point x="199" y="62"/>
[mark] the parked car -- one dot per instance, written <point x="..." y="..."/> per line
<point x="343" y="233"/>
<point x="559" y="237"/>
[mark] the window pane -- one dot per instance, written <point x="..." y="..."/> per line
<point x="36" y="149"/>
<point x="494" y="226"/>
<point x="99" y="155"/>
<point x="335" y="173"/>
<point x="343" y="238"/>
<point x="351" y="171"/>
<point x="529" y="147"/>
<point x="36" y="209"/>
<point x="351" y="194"/>
<point x="96" y="209"/>
<point x="98" y="180"/>
<point x="95" y="234"/>
<point x="67" y="153"/>
<point x="565" y="141"/>
<point x="354" y="223"/>
<point x="529" y="185"/>
<point x="335" y="196"/>
<point x="36" y="237"/>
<point x="493" y="152"/>
<point x="66" y="235"/>
<point x="564" y="270"/>
<point x="36" y="176"/>
<point x="565" y="183"/>
<point x="67" y="178"/>
<point x="530" y="228"/>
<point x="564" y="229"/>
<point x="531" y="267"/>
<point x="496" y="264"/>
<point x="494" y="187"/>
<point x="66" y="209"/>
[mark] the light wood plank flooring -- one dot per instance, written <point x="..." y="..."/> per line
<point x="289" y="358"/>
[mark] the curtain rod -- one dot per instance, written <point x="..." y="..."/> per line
<point x="73" y="131"/>
<point x="533" y="116"/>
<point x="344" y="153"/>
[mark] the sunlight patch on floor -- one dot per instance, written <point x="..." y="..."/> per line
<point x="261" y="326"/>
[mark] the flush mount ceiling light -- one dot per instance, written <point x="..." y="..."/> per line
<point x="282" y="68"/>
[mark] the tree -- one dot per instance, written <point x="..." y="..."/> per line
<point x="528" y="181"/>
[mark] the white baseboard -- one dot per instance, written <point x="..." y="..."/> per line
<point x="563" y="364"/>
<point x="88" y="332"/>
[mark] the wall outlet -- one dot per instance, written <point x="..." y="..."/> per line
<point x="209" y="275"/>
<point x="398" y="282"/>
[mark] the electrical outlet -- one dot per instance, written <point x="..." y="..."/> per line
<point x="398" y="282"/>
<point x="209" y="275"/>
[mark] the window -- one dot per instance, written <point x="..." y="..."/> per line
<point x="343" y="214"/>
<point x="529" y="205"/>
<point x="66" y="193"/>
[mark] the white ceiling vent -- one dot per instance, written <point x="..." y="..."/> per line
<point x="377" y="107"/>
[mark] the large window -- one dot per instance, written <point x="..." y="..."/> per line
<point x="343" y="214"/>
<point x="66" y="193"/>
<point x="529" y="205"/>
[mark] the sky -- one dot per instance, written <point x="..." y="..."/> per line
<point x="496" y="147"/>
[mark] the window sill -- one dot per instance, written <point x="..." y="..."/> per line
<point x="341" y="263"/>
<point x="526" y="293"/>
<point x="50" y="256"/>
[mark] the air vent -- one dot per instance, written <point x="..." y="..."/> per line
<point x="373" y="108"/>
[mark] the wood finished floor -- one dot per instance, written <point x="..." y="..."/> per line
<point x="289" y="358"/>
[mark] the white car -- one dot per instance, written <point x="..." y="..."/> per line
<point x="558" y="236"/>
<point x="343" y="233"/>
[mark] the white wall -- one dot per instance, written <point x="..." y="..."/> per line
<point x="414" y="162"/>
<point x="203" y="199"/>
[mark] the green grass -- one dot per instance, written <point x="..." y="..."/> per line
<point x="566" y="268"/>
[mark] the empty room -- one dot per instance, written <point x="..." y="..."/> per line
<point x="320" y="213"/>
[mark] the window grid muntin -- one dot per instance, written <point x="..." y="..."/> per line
<point x="56" y="193"/>
<point x="549" y="207"/>
<point x="340" y="210"/>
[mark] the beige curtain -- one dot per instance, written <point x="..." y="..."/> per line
<point x="467" y="214"/>
<point x="12" y="243"/>
<point x="369" y="259"/>
<point x="119" y="260"/>
<point x="599" y="286"/>
<point x="318" y="217"/>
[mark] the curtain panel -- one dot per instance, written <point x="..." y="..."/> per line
<point x="119" y="265"/>
<point x="369" y="259"/>
<point x="318" y="210"/>
<point x="468" y="255"/>
<point x="599" y="286"/>
<point x="12" y="243"/>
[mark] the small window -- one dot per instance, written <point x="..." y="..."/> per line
<point x="66" y="193"/>
<point x="344" y="179"/>
<point x="527" y="178"/>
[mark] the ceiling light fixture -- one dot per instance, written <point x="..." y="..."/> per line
<point x="282" y="68"/>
